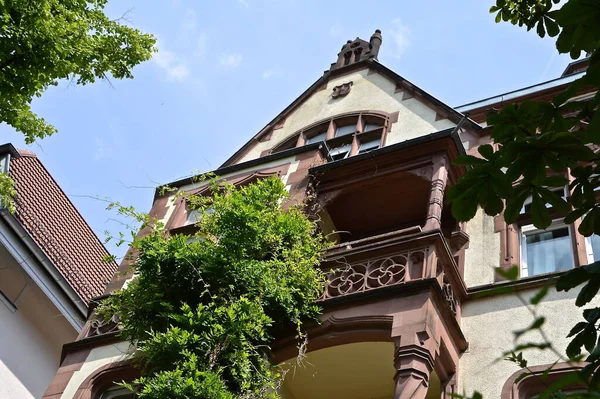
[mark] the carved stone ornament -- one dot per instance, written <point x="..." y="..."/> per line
<point x="341" y="90"/>
<point x="450" y="298"/>
<point x="373" y="274"/>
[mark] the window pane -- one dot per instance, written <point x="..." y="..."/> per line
<point x="549" y="251"/>
<point x="527" y="204"/>
<point x="344" y="130"/>
<point x="371" y="126"/>
<point x="194" y="216"/>
<point x="368" y="146"/>
<point x="340" y="152"/>
<point x="595" y="243"/>
<point x="317" y="137"/>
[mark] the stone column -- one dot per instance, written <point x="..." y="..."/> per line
<point x="413" y="362"/>
<point x="439" y="179"/>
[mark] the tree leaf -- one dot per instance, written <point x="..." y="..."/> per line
<point x="539" y="213"/>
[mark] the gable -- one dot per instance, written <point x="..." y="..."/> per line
<point x="413" y="112"/>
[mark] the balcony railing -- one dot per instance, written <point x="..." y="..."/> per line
<point x="403" y="256"/>
<point x="392" y="259"/>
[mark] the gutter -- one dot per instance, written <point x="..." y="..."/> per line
<point x="520" y="92"/>
<point x="49" y="268"/>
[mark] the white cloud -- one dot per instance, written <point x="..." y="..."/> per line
<point x="201" y="45"/>
<point x="230" y="61"/>
<point x="336" y="29"/>
<point x="400" y="36"/>
<point x="274" y="72"/>
<point x="244" y="3"/>
<point x="175" y="67"/>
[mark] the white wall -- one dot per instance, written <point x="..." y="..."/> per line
<point x="30" y="338"/>
<point x="488" y="325"/>
<point x="369" y="92"/>
<point x="483" y="254"/>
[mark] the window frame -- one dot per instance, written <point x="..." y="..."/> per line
<point x="364" y="124"/>
<point x="343" y="146"/>
<point x="530" y="229"/>
<point x="589" y="249"/>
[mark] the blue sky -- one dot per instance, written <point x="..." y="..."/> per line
<point x="226" y="68"/>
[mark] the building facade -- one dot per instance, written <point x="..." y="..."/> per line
<point x="403" y="317"/>
<point x="51" y="264"/>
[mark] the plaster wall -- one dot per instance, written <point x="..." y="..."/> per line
<point x="369" y="92"/>
<point x="488" y="325"/>
<point x="483" y="254"/>
<point x="31" y="337"/>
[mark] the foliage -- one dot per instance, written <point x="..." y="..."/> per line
<point x="43" y="41"/>
<point x="537" y="145"/>
<point x="202" y="309"/>
<point x="7" y="193"/>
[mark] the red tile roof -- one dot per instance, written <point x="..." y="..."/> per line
<point x="58" y="228"/>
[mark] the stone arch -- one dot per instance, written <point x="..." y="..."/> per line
<point x="336" y="331"/>
<point x="104" y="377"/>
<point x="524" y="388"/>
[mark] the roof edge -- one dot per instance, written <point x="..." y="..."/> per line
<point x="320" y="145"/>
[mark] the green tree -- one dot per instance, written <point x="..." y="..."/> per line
<point x="202" y="309"/>
<point x="44" y="41"/>
<point x="537" y="145"/>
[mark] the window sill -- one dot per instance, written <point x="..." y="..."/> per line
<point x="505" y="287"/>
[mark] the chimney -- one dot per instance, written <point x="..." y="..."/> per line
<point x="375" y="43"/>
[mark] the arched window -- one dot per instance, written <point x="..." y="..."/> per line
<point x="346" y="135"/>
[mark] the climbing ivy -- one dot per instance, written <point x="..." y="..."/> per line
<point x="202" y="309"/>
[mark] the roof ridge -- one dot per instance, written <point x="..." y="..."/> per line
<point x="26" y="153"/>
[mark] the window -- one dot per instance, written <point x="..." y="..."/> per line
<point x="546" y="251"/>
<point x="117" y="393"/>
<point x="194" y="215"/>
<point x="345" y="130"/>
<point x="340" y="152"/>
<point x="592" y="244"/>
<point x="318" y="137"/>
<point x="368" y="146"/>
<point x="371" y="126"/>
<point x="558" y="191"/>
